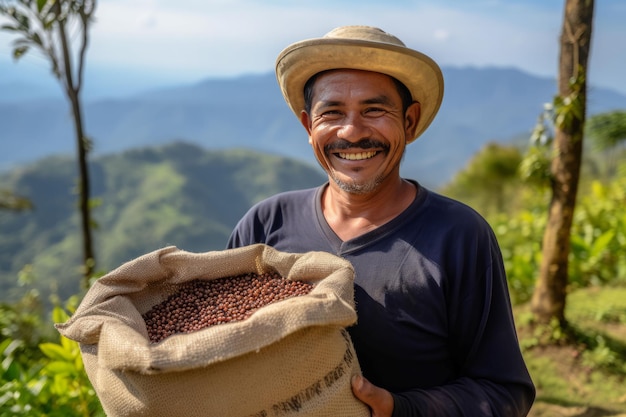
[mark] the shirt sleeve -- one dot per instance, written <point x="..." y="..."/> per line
<point x="493" y="378"/>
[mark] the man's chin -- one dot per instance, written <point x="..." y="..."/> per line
<point x="357" y="188"/>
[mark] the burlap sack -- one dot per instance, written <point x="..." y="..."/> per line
<point x="293" y="357"/>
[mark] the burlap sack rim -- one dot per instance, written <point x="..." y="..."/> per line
<point x="96" y="320"/>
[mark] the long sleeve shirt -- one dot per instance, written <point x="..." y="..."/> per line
<point x="435" y="326"/>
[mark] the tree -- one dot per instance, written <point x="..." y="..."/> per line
<point x="11" y="201"/>
<point x="488" y="181"/>
<point x="608" y="133"/>
<point x="549" y="296"/>
<point x="54" y="28"/>
<point x="608" y="129"/>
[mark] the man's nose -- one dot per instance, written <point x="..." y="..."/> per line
<point x="354" y="128"/>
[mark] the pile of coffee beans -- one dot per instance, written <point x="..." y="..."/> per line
<point x="201" y="303"/>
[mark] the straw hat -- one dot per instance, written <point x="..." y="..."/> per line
<point x="363" y="48"/>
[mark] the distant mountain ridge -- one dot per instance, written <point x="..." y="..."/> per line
<point x="480" y="105"/>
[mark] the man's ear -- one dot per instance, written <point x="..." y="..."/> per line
<point x="411" y="117"/>
<point x="305" y="120"/>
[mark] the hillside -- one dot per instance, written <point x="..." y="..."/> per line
<point x="176" y="194"/>
<point x="480" y="105"/>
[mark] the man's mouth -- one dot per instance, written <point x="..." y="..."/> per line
<point x="359" y="156"/>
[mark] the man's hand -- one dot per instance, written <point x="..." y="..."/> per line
<point x="378" y="399"/>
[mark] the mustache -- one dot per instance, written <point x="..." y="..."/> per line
<point x="343" y="144"/>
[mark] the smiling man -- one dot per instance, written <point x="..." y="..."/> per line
<point x="435" y="333"/>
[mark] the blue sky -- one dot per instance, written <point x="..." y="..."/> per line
<point x="139" y="44"/>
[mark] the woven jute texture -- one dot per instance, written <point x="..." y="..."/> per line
<point x="290" y="358"/>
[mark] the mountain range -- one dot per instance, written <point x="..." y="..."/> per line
<point x="146" y="198"/>
<point x="480" y="105"/>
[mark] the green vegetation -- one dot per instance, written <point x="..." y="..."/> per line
<point x="585" y="374"/>
<point x="598" y="238"/>
<point x="42" y="378"/>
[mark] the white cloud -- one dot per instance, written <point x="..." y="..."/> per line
<point x="192" y="39"/>
<point x="441" y="35"/>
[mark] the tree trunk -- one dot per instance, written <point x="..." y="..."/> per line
<point x="549" y="297"/>
<point x="72" y="88"/>
<point x="84" y="192"/>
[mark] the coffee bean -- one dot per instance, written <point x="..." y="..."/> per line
<point x="199" y="303"/>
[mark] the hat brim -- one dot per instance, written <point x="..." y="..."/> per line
<point x="418" y="72"/>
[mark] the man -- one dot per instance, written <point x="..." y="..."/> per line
<point x="435" y="333"/>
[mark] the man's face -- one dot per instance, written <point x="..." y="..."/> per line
<point x="357" y="128"/>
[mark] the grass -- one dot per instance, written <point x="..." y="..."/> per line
<point x="582" y="373"/>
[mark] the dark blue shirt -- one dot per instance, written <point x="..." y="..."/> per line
<point x="434" y="316"/>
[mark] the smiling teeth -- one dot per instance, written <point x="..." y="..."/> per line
<point x="357" y="156"/>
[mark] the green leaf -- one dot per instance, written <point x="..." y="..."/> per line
<point x="37" y="39"/>
<point x="9" y="346"/>
<point x="11" y="369"/>
<point x="40" y="4"/>
<point x="602" y="242"/>
<point x="56" y="352"/>
<point x="59" y="315"/>
<point x="79" y="365"/>
<point x="70" y="345"/>
<point x="60" y="368"/>
<point x="578" y="245"/>
<point x="4" y="344"/>
<point x="24" y="21"/>
<point x="10" y="28"/>
<point x="60" y="384"/>
<point x="19" y="52"/>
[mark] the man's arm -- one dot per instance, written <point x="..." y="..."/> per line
<point x="492" y="378"/>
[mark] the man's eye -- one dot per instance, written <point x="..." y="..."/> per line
<point x="374" y="111"/>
